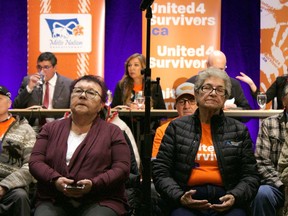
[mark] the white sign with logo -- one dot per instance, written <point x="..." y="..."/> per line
<point x="65" y="33"/>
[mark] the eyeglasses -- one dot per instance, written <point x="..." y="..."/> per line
<point x="183" y="101"/>
<point x="46" y="67"/>
<point x="209" y="89"/>
<point x="90" y="93"/>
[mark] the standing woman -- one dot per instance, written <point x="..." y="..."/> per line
<point x="81" y="151"/>
<point x="205" y="164"/>
<point x="133" y="82"/>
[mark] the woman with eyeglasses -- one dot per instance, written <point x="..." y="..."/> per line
<point x="205" y="164"/>
<point x="82" y="162"/>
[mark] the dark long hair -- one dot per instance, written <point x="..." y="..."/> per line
<point x="127" y="83"/>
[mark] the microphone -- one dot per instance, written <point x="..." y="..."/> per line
<point x="145" y="4"/>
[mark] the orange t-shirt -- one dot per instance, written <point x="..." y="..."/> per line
<point x="160" y="131"/>
<point x="137" y="88"/>
<point x="5" y="125"/>
<point x="159" y="134"/>
<point x="206" y="170"/>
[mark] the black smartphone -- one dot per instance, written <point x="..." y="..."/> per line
<point x="74" y="187"/>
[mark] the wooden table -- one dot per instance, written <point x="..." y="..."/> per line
<point x="141" y="113"/>
<point x="231" y="113"/>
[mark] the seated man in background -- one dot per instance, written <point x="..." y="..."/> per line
<point x="185" y="105"/>
<point x="17" y="138"/>
<point x="217" y="59"/>
<point x="33" y="88"/>
<point x="270" y="140"/>
<point x="46" y="88"/>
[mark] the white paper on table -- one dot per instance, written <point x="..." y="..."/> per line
<point x="229" y="101"/>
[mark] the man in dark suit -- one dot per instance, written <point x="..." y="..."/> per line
<point x="237" y="100"/>
<point x="46" y="89"/>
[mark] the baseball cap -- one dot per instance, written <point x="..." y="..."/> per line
<point x="184" y="88"/>
<point x="4" y="91"/>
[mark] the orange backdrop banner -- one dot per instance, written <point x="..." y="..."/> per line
<point x="274" y="43"/>
<point x="183" y="34"/>
<point x="73" y="30"/>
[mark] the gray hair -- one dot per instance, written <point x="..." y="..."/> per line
<point x="213" y="72"/>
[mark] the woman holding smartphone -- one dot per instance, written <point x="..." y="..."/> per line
<point x="81" y="163"/>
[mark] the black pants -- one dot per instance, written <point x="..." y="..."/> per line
<point x="67" y="209"/>
<point x="211" y="193"/>
<point x="15" y="203"/>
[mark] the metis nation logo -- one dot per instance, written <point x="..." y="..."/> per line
<point x="65" y="33"/>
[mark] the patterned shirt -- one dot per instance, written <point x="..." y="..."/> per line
<point x="17" y="144"/>
<point x="270" y="140"/>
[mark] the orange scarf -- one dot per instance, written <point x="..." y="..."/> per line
<point x="5" y="125"/>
